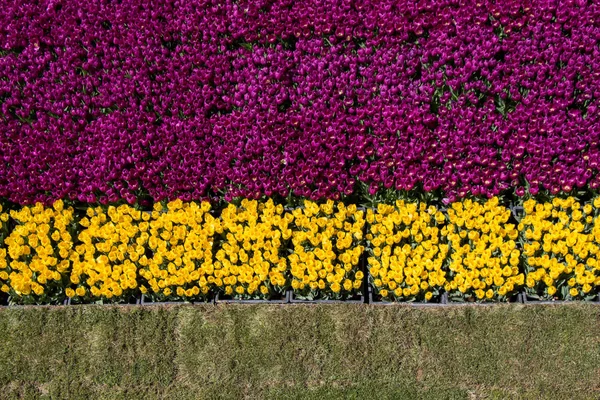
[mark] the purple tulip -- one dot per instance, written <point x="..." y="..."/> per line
<point x="105" y="100"/>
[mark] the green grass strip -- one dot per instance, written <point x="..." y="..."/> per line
<point x="300" y="352"/>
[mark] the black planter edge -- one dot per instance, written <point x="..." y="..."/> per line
<point x="404" y="303"/>
<point x="216" y="300"/>
<point x="142" y="301"/>
<point x="528" y="300"/>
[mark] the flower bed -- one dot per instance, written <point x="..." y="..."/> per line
<point x="327" y="247"/>
<point x="106" y="263"/>
<point x="119" y="101"/>
<point x="37" y="256"/>
<point x="407" y="260"/>
<point x="181" y="238"/>
<point x="484" y="258"/>
<point x="3" y="253"/>
<point x="414" y="252"/>
<point x="561" y="240"/>
<point x="251" y="261"/>
<point x="286" y="119"/>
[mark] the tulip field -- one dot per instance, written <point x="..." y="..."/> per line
<point x="209" y="99"/>
<point x="404" y="252"/>
<point x="258" y="166"/>
<point x="425" y="152"/>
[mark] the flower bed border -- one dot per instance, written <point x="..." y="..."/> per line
<point x="143" y="302"/>
<point x="353" y="300"/>
<point x="371" y="300"/>
<point x="527" y="299"/>
<point x="225" y="300"/>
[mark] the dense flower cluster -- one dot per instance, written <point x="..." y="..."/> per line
<point x="38" y="251"/>
<point x="3" y="234"/>
<point x="561" y="248"/>
<point x="327" y="248"/>
<point x="484" y="259"/>
<point x="181" y="238"/>
<point x="119" y="100"/>
<point x="474" y="251"/>
<point x="105" y="264"/>
<point x="407" y="254"/>
<point x="252" y="259"/>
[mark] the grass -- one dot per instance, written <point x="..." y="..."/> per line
<point x="300" y="352"/>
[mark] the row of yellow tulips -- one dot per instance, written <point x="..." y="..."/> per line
<point x="414" y="252"/>
<point x="180" y="251"/>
